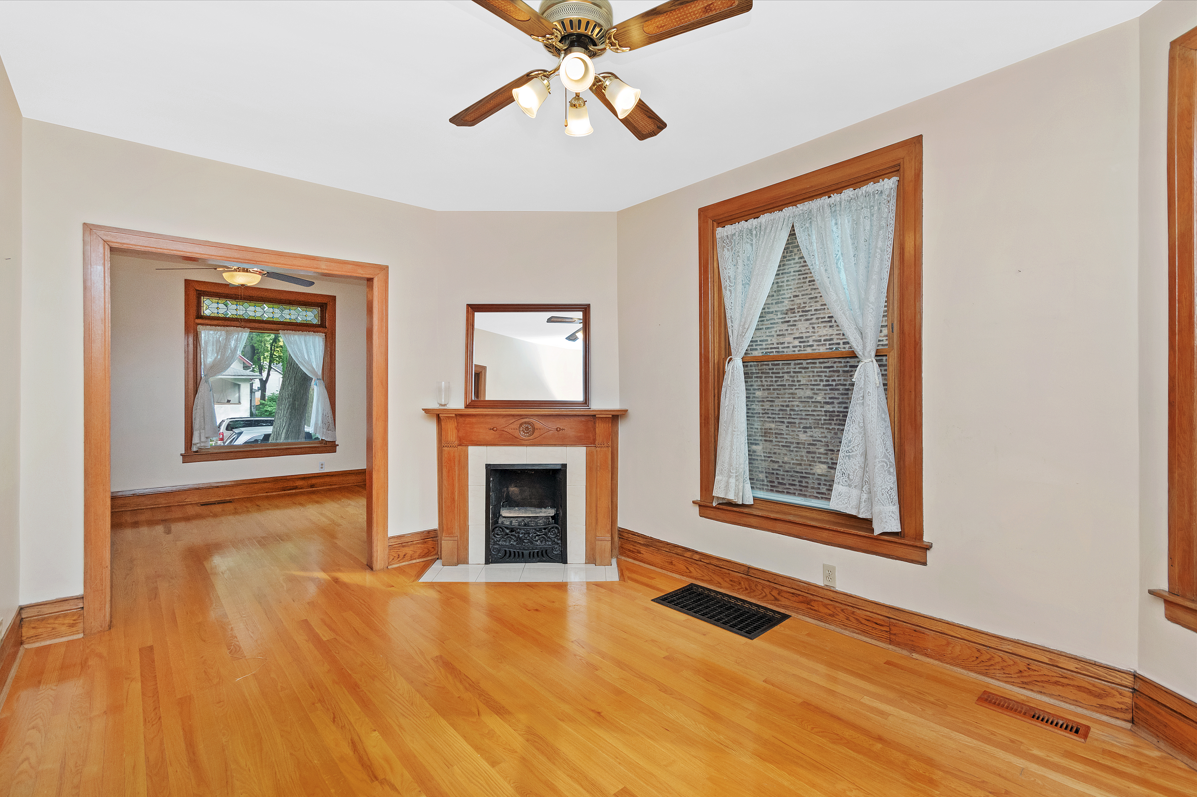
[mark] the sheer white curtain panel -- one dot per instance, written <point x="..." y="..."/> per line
<point x="218" y="350"/>
<point x="307" y="350"/>
<point x="848" y="240"/>
<point x="749" y="253"/>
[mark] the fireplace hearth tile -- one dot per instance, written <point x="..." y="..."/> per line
<point x="545" y="572"/>
<point x="495" y="573"/>
<point x="459" y="573"/>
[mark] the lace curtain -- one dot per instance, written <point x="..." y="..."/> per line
<point x="749" y="253"/>
<point x="307" y="350"/>
<point x="848" y="241"/>
<point x="219" y="347"/>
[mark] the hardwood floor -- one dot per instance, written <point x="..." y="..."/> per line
<point x="253" y="653"/>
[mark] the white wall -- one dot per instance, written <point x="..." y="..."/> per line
<point x="10" y="332"/>
<point x="518" y="370"/>
<point x="526" y="258"/>
<point x="1030" y="356"/>
<point x="147" y="382"/>
<point x="1167" y="652"/>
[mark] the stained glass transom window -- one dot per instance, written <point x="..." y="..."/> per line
<point x="219" y="307"/>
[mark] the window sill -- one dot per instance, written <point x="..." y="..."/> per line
<point x="816" y="525"/>
<point x="1178" y="609"/>
<point x="250" y="452"/>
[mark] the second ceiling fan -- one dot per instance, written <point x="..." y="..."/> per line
<point x="578" y="31"/>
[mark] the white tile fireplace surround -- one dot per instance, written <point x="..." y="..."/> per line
<point x="574" y="459"/>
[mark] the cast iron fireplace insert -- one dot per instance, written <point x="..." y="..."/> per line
<point x="525" y="513"/>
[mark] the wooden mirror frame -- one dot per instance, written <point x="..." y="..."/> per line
<point x="471" y="309"/>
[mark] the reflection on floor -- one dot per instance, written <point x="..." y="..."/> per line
<point x="540" y="571"/>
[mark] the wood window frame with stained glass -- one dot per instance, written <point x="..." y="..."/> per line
<point x="270" y="311"/>
<point x="902" y="353"/>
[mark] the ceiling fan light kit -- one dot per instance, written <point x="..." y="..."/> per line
<point x="530" y="96"/>
<point x="577" y="120"/>
<point x="578" y="31"/>
<point x="242" y="276"/>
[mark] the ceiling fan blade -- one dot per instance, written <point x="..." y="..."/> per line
<point x="562" y="319"/>
<point x="188" y="268"/>
<point x="274" y="275"/>
<point x="574" y="337"/>
<point x="491" y="103"/>
<point x="519" y="14"/>
<point x="642" y="121"/>
<point x="675" y="18"/>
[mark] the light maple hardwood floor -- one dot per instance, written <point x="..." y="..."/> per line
<point x="252" y="653"/>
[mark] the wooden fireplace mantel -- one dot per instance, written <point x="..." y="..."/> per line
<point x="458" y="429"/>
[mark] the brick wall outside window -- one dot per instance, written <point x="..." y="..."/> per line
<point x="797" y="408"/>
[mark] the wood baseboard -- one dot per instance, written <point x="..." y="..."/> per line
<point x="1166" y="718"/>
<point x="1095" y="687"/>
<point x="418" y="546"/>
<point x="10" y="652"/>
<point x="50" y="621"/>
<point x="129" y="500"/>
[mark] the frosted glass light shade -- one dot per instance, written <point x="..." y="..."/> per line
<point x="577" y="71"/>
<point x="530" y="96"/>
<point x="244" y="278"/>
<point x="621" y="96"/>
<point x="577" y="120"/>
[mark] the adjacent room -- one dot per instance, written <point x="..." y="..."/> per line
<point x="588" y="397"/>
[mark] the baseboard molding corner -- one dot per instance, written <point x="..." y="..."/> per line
<point x="1167" y="719"/>
<point x="51" y="621"/>
<point x="157" y="497"/>
<point x="418" y="546"/>
<point x="1063" y="678"/>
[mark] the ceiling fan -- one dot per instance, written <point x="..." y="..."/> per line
<point x="577" y="31"/>
<point x="243" y="275"/>
<point x="562" y="319"/>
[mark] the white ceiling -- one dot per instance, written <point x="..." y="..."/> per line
<point x="357" y="95"/>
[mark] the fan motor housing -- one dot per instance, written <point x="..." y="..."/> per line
<point x="583" y="23"/>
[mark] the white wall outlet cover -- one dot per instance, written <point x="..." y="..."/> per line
<point x="829" y="576"/>
<point x="321" y="466"/>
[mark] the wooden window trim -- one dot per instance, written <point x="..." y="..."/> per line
<point x="1180" y="599"/>
<point x="904" y="160"/>
<point x="192" y="320"/>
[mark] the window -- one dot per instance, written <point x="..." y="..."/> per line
<point x="798" y="369"/>
<point x="1180" y="599"/>
<point x="265" y="401"/>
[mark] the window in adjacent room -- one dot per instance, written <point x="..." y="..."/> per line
<point x="799" y="366"/>
<point x="266" y="358"/>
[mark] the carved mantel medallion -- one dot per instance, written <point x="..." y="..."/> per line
<point x="527" y="429"/>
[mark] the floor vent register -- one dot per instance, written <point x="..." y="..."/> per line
<point x="1036" y="715"/>
<point x="726" y="611"/>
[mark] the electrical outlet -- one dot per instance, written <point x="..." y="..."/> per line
<point x="829" y="576"/>
<point x="321" y="466"/>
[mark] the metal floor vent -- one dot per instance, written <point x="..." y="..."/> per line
<point x="1031" y="714"/>
<point x="741" y="617"/>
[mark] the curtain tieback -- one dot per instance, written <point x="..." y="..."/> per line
<point x="727" y="362"/>
<point x="876" y="371"/>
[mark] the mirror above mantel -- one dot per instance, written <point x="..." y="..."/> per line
<point x="527" y="355"/>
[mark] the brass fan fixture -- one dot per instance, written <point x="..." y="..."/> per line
<point x="577" y="31"/>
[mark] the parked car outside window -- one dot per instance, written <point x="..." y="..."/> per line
<point x="229" y="425"/>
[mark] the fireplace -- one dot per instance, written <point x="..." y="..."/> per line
<point x="525" y="513"/>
